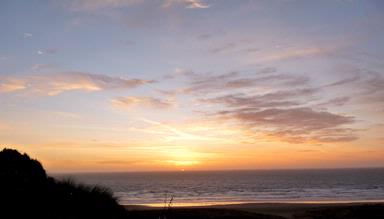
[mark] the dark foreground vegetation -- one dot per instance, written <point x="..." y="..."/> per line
<point x="27" y="192"/>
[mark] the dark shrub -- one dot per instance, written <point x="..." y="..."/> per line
<point x="27" y="192"/>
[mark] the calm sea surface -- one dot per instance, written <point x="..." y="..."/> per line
<point x="215" y="187"/>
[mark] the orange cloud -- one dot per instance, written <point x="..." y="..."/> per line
<point x="292" y="53"/>
<point x="133" y="101"/>
<point x="295" y="53"/>
<point x="57" y="83"/>
<point x="10" y="85"/>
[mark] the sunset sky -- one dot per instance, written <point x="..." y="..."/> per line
<point x="142" y="85"/>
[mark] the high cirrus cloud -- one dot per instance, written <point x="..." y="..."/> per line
<point x="283" y="115"/>
<point x="193" y="4"/>
<point x="283" y="98"/>
<point x="273" y="105"/>
<point x="208" y="83"/>
<point x="97" y="5"/>
<point x="295" y="125"/>
<point x="10" y="85"/>
<point x="291" y="53"/>
<point x="196" y="4"/>
<point x="57" y="83"/>
<point x="133" y="101"/>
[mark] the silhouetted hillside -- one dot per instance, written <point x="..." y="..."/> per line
<point x="27" y="192"/>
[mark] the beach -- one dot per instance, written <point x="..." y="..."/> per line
<point x="347" y="210"/>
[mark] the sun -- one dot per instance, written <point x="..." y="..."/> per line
<point x="183" y="162"/>
<point x="182" y="157"/>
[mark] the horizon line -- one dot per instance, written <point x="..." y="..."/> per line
<point x="214" y="170"/>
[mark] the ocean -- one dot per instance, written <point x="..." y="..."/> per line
<point x="224" y="187"/>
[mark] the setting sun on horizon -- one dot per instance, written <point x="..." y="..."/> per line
<point x="184" y="85"/>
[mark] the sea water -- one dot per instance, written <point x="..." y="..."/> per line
<point x="223" y="187"/>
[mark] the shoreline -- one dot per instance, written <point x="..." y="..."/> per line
<point x="269" y="210"/>
<point x="255" y="203"/>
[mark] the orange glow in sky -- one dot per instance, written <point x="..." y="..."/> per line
<point x="193" y="85"/>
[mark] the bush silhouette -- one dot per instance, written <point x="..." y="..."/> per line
<point x="20" y="170"/>
<point x="27" y="192"/>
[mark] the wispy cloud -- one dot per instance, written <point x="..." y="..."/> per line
<point x="10" y="85"/>
<point x="262" y="78"/>
<point x="171" y="133"/>
<point x="196" y="4"/>
<point x="27" y="35"/>
<point x="223" y="48"/>
<point x="205" y="36"/>
<point x="47" y="51"/>
<point x="277" y="106"/>
<point x="95" y="5"/>
<point x="364" y="85"/>
<point x="372" y="89"/>
<point x="283" y="98"/>
<point x="42" y="66"/>
<point x="295" y="125"/>
<point x="193" y="4"/>
<point x="57" y="83"/>
<point x="344" y="81"/>
<point x="289" y="53"/>
<point x="67" y="115"/>
<point x="134" y="101"/>
<point x="178" y="72"/>
<point x="338" y="101"/>
<point x="283" y="114"/>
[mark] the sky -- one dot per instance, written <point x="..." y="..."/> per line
<point x="168" y="85"/>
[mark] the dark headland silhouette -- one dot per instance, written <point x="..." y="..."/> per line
<point x="26" y="191"/>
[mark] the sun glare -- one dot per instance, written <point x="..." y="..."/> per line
<point x="183" y="157"/>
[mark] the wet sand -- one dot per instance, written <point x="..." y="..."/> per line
<point x="355" y="210"/>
